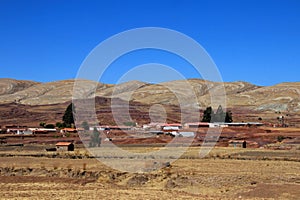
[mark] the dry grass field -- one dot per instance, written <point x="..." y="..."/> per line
<point x="226" y="173"/>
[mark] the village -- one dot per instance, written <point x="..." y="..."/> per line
<point x="234" y="134"/>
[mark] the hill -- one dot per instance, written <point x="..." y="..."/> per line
<point x="248" y="101"/>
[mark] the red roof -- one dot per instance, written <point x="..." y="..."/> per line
<point x="63" y="143"/>
<point x="172" y="125"/>
<point x="69" y="129"/>
<point x="198" y="123"/>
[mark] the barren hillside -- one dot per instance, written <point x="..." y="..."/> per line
<point x="21" y="99"/>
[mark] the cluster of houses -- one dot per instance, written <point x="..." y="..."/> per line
<point x="173" y="129"/>
<point x="199" y="125"/>
<point x="160" y="127"/>
<point x="24" y="130"/>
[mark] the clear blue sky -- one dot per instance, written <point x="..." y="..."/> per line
<point x="251" y="40"/>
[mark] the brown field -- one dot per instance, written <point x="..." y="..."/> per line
<point x="226" y="173"/>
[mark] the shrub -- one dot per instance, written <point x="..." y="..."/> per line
<point x="280" y="138"/>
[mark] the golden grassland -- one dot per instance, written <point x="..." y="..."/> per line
<point x="226" y="173"/>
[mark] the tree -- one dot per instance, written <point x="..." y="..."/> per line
<point x="95" y="138"/>
<point x="42" y="124"/>
<point x="130" y="124"/>
<point x="68" y="118"/>
<point x="219" y="116"/>
<point x="207" y="114"/>
<point x="228" y="118"/>
<point x="85" y="125"/>
<point x="49" y="126"/>
<point x="59" y="125"/>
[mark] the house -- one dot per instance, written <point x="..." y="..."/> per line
<point x="197" y="125"/>
<point x="3" y="140"/>
<point x="153" y="125"/>
<point x="120" y="128"/>
<point x="221" y="124"/>
<point x="107" y="128"/>
<point x="16" y="129"/>
<point x="243" y="124"/>
<point x="99" y="128"/>
<point x="178" y="126"/>
<point x="65" y="146"/>
<point x="42" y="130"/>
<point x="68" y="130"/>
<point x="237" y="143"/>
<point x="186" y="134"/>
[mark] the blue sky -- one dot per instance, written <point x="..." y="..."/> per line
<point x="249" y="40"/>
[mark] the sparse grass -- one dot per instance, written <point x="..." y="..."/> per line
<point x="215" y="177"/>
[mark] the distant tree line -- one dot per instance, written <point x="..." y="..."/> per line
<point x="219" y="116"/>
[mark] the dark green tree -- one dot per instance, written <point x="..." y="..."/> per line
<point x="228" y="118"/>
<point x="59" y="125"/>
<point x="207" y="114"/>
<point x="130" y="124"/>
<point x="219" y="116"/>
<point x="49" y="126"/>
<point x="85" y="125"/>
<point x="95" y="138"/>
<point x="68" y="118"/>
<point x="42" y="124"/>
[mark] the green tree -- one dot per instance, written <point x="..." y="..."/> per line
<point x="130" y="124"/>
<point x="85" y="125"/>
<point x="219" y="116"/>
<point x="95" y="138"/>
<point x="207" y="114"/>
<point x="49" y="126"/>
<point x="68" y="118"/>
<point x="228" y="118"/>
<point x="59" y="125"/>
<point x="42" y="124"/>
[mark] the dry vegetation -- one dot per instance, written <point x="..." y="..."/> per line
<point x="226" y="173"/>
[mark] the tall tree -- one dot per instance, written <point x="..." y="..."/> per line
<point x="85" y="125"/>
<point x="95" y="138"/>
<point x="207" y="114"/>
<point x="228" y="118"/>
<point x="219" y="116"/>
<point x="68" y="118"/>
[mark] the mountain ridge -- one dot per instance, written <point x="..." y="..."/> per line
<point x="280" y="97"/>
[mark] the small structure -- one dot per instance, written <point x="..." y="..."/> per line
<point x="65" y="146"/>
<point x="16" y="129"/>
<point x="153" y="125"/>
<point x="127" y="128"/>
<point x="3" y="140"/>
<point x="177" y="126"/>
<point x="186" y="134"/>
<point x="68" y="130"/>
<point x="237" y="143"/>
<point x="42" y="130"/>
<point x="107" y="128"/>
<point x="243" y="124"/>
<point x="196" y="124"/>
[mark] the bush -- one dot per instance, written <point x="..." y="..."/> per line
<point x="280" y="138"/>
<point x="49" y="126"/>
<point x="60" y="125"/>
<point x="130" y="124"/>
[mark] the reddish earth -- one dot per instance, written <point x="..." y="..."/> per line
<point x="255" y="137"/>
